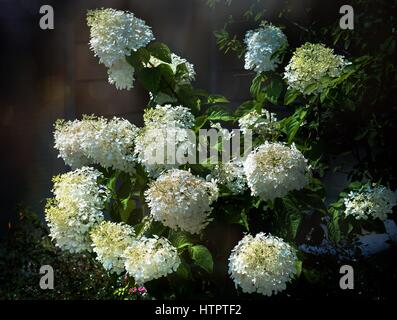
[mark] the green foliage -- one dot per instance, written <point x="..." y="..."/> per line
<point x="202" y="257"/>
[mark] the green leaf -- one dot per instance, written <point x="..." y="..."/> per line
<point x="294" y="217"/>
<point x="202" y="257"/>
<point x="334" y="231"/>
<point x="298" y="266"/>
<point x="244" y="108"/>
<point x="273" y="90"/>
<point x="311" y="88"/>
<point x="150" y="79"/>
<point x="128" y="205"/>
<point x="218" y="113"/>
<point x="290" y="96"/>
<point x="183" y="271"/>
<point x="216" y="98"/>
<point x="138" y="58"/>
<point x="160" y="51"/>
<point x="291" y="125"/>
<point x="180" y="239"/>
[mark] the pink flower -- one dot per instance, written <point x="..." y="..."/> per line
<point x="142" y="289"/>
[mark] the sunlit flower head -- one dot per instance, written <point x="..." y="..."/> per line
<point x="77" y="207"/>
<point x="262" y="264"/>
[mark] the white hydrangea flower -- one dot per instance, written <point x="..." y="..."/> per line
<point x="310" y="63"/>
<point x="274" y="169"/>
<point x="76" y="208"/>
<point x="370" y="203"/>
<point x="230" y="174"/>
<point x="263" y="123"/>
<point x="109" y="241"/>
<point x="179" y="199"/>
<point x="150" y="258"/>
<point x="121" y="74"/>
<point x="168" y="116"/>
<point x="96" y="140"/>
<point x="262" y="264"/>
<point x="115" y="33"/>
<point x="261" y="45"/>
<point x="175" y="62"/>
<point x="164" y="137"/>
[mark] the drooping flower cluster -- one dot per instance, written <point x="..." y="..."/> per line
<point x="263" y="264"/>
<point x="370" y="202"/>
<point x="96" y="140"/>
<point x="109" y="241"/>
<point x="150" y="258"/>
<point x="165" y="139"/>
<point x="114" y="34"/>
<point x="262" y="44"/>
<point x="186" y="75"/>
<point x="263" y="123"/>
<point x="76" y="208"/>
<point x="181" y="200"/>
<point x="310" y="64"/>
<point x="230" y="174"/>
<point x="274" y="169"/>
<point x="121" y="75"/>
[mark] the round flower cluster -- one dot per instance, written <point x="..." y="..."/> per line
<point x="180" y="200"/>
<point x="310" y="63"/>
<point x="150" y="258"/>
<point x="165" y="139"/>
<point x="109" y="241"/>
<point x="262" y="44"/>
<point x="187" y="75"/>
<point x="263" y="123"/>
<point x="76" y="208"/>
<point x="109" y="143"/>
<point x="230" y="174"/>
<point x="370" y="202"/>
<point x="263" y="264"/>
<point x="114" y="34"/>
<point x="274" y="169"/>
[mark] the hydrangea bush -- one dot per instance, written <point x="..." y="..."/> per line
<point x="150" y="221"/>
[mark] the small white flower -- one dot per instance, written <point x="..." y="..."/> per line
<point x="263" y="264"/>
<point x="274" y="169"/>
<point x="263" y="123"/>
<point x="150" y="258"/>
<point x="109" y="241"/>
<point x="261" y="45"/>
<point x="370" y="203"/>
<point x="230" y="174"/>
<point x="76" y="208"/>
<point x="178" y="199"/>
